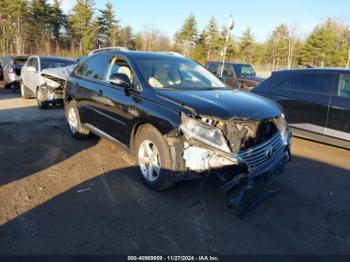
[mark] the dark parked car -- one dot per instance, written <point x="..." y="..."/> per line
<point x="236" y="75"/>
<point x="316" y="102"/>
<point x="177" y="118"/>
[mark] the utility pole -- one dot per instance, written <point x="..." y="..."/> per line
<point x="230" y="26"/>
<point x="348" y="63"/>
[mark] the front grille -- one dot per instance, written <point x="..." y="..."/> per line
<point x="263" y="157"/>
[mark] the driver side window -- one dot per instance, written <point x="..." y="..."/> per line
<point x="228" y="70"/>
<point x="30" y="62"/>
<point x="35" y="64"/>
<point x="117" y="65"/>
<point x="344" y="86"/>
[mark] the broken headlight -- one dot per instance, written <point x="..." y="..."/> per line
<point x="282" y="126"/>
<point x="204" y="133"/>
<point x="51" y="83"/>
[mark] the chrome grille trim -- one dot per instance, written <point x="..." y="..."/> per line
<point x="263" y="157"/>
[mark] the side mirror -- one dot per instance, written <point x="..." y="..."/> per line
<point x="120" y="80"/>
<point x="31" y="69"/>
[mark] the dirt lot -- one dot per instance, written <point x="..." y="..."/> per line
<point x="62" y="196"/>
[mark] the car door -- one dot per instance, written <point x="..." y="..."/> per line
<point x="305" y="98"/>
<point x="229" y="76"/>
<point x="87" y="86"/>
<point x="339" y="113"/>
<point x="118" y="106"/>
<point x="32" y="76"/>
<point x="24" y="73"/>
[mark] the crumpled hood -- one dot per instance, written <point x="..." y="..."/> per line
<point x="224" y="104"/>
<point x="62" y="72"/>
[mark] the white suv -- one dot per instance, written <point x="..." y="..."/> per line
<point x="40" y="79"/>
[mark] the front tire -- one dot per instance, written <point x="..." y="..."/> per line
<point x="154" y="159"/>
<point x="24" y="91"/>
<point x="76" y="129"/>
<point x="40" y="98"/>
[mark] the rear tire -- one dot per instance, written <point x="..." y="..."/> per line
<point x="24" y="91"/>
<point x="154" y="159"/>
<point x="40" y="98"/>
<point x="76" y="129"/>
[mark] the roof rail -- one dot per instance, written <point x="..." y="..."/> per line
<point x="111" y="48"/>
<point x="172" y="53"/>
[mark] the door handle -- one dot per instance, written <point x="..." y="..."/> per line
<point x="100" y="93"/>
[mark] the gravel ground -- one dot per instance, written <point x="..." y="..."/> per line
<point x="64" y="196"/>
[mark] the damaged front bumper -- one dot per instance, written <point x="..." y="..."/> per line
<point x="52" y="94"/>
<point x="254" y="168"/>
<point x="252" y="162"/>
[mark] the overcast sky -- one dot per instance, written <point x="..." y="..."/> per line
<point x="261" y="15"/>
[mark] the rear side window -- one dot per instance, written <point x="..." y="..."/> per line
<point x="344" y="86"/>
<point x="93" y="68"/>
<point x="310" y="82"/>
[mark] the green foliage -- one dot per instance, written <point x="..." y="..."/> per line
<point x="80" y="21"/>
<point x="107" y="27"/>
<point x="201" y="48"/>
<point x="41" y="27"/>
<point x="186" y="37"/>
<point x="327" y="45"/>
<point x="213" y="38"/>
<point x="246" y="46"/>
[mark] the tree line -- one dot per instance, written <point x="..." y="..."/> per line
<point x="40" y="27"/>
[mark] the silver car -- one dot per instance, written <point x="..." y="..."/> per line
<point x="41" y="78"/>
<point x="12" y="71"/>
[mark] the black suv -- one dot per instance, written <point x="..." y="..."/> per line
<point x="235" y="75"/>
<point x="177" y="118"/>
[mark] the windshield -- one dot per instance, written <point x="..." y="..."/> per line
<point x="246" y="70"/>
<point x="175" y="73"/>
<point x="55" y="63"/>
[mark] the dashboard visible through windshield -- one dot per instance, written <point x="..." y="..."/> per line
<point x="165" y="73"/>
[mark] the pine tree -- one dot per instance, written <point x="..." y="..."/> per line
<point x="56" y="19"/>
<point x="108" y="26"/>
<point x="201" y="49"/>
<point x="56" y="22"/>
<point x="320" y="46"/>
<point x="277" y="47"/>
<point x="39" y="18"/>
<point x="16" y="13"/>
<point x="81" y="24"/>
<point x="246" y="46"/>
<point x="187" y="36"/>
<point x="127" y="38"/>
<point x="213" y="38"/>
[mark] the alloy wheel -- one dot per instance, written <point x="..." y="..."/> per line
<point x="72" y="120"/>
<point x="149" y="160"/>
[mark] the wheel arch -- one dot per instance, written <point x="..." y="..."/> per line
<point x="163" y="128"/>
